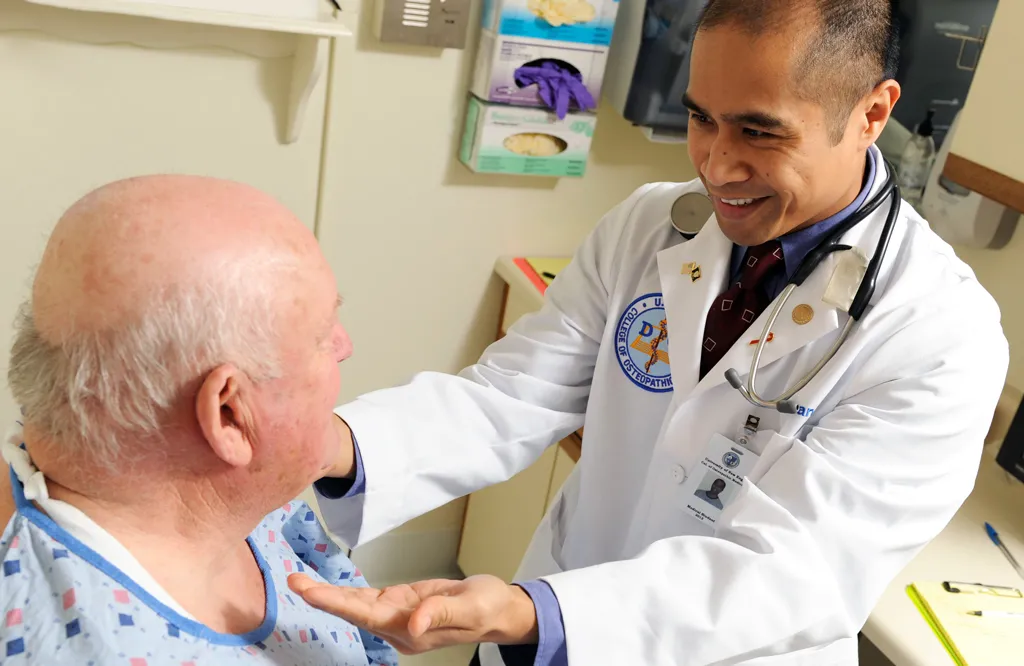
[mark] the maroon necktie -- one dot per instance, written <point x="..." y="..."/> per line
<point x="739" y="305"/>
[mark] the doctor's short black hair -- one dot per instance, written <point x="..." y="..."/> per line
<point x="854" y="45"/>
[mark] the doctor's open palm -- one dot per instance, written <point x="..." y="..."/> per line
<point x="430" y="614"/>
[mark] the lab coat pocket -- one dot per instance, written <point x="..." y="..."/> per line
<point x="775" y="446"/>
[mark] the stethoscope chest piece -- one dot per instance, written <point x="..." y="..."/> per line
<point x="690" y="212"/>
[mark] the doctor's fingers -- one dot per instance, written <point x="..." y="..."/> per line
<point x="478" y="608"/>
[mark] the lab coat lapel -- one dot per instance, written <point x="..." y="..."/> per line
<point x="692" y="275"/>
<point x="787" y="334"/>
<point x="687" y="301"/>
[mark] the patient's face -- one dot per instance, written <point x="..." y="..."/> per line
<point x="298" y="407"/>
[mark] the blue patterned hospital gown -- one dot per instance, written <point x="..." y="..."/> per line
<point x="64" y="604"/>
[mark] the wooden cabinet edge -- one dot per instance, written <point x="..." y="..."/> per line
<point x="573" y="445"/>
<point x="501" y="314"/>
<point x="986" y="182"/>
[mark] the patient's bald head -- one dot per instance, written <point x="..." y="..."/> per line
<point x="127" y="244"/>
<point x="177" y="307"/>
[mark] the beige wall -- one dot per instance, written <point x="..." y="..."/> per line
<point x="987" y="132"/>
<point x="1002" y="274"/>
<point x="144" y="96"/>
<point x="413" y="235"/>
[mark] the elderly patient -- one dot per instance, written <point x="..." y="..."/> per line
<point x="176" y="368"/>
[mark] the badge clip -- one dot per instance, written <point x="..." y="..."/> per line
<point x="748" y="430"/>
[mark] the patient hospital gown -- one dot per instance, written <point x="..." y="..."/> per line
<point x="64" y="604"/>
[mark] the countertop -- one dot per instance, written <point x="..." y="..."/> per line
<point x="962" y="552"/>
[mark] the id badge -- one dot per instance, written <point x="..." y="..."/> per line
<point x="717" y="479"/>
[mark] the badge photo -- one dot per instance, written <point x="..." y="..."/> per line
<point x="715" y="490"/>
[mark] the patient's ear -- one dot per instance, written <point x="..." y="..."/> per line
<point x="225" y="416"/>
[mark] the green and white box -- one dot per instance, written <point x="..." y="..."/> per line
<point x="525" y="141"/>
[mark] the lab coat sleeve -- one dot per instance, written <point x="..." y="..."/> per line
<point x="808" y="546"/>
<point x="335" y="488"/>
<point x="444" y="436"/>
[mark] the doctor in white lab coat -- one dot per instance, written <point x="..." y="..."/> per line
<point x="631" y="565"/>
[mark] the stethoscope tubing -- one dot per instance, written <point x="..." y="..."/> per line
<point x="861" y="299"/>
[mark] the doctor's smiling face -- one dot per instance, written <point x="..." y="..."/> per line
<point x="779" y="136"/>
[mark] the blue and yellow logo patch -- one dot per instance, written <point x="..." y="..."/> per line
<point x="641" y="344"/>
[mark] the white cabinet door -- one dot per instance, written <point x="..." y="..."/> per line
<point x="500" y="521"/>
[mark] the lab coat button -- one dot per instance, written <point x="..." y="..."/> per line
<point x="678" y="473"/>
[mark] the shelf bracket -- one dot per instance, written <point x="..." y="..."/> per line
<point x="312" y="36"/>
<point x="308" y="66"/>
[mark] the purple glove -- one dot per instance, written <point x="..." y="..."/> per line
<point x="557" y="87"/>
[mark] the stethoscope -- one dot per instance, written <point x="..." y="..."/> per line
<point x="689" y="207"/>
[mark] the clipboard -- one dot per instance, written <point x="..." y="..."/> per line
<point x="971" y="640"/>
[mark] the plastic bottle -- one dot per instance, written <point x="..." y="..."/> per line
<point x="916" y="161"/>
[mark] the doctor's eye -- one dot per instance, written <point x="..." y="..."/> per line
<point x="700" y="119"/>
<point x="756" y="133"/>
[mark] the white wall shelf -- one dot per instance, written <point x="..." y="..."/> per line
<point x="312" y="37"/>
<point x="325" y="26"/>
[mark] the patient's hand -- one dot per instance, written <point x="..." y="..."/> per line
<point x="430" y="614"/>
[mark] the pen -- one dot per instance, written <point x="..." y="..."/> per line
<point x="992" y="534"/>
<point x="995" y="614"/>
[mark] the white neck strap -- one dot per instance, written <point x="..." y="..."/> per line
<point x="26" y="471"/>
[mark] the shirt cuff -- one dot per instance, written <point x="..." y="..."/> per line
<point x="551" y="646"/>
<point x="334" y="488"/>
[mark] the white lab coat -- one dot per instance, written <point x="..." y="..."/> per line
<point x="840" y="500"/>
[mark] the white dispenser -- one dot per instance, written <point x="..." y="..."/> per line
<point x="960" y="216"/>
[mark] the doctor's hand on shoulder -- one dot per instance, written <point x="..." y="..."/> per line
<point x="430" y="614"/>
<point x="344" y="465"/>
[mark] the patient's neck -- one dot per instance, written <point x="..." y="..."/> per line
<point x="186" y="533"/>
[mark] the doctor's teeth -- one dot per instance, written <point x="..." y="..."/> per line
<point x="738" y="202"/>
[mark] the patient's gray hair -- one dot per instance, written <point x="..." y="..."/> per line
<point x="97" y="390"/>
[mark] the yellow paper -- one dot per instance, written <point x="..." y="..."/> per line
<point x="549" y="265"/>
<point x="969" y="639"/>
